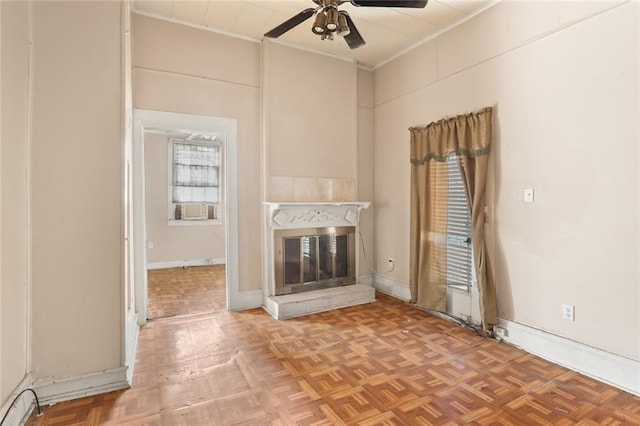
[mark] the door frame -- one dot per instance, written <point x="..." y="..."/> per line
<point x="149" y="119"/>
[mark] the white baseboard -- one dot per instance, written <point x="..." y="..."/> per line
<point x="20" y="411"/>
<point x="394" y="288"/>
<point x="365" y="279"/>
<point x="80" y="386"/>
<point x="615" y="370"/>
<point x="186" y="263"/>
<point x="247" y="300"/>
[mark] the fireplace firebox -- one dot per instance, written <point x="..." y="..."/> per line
<point x="314" y="258"/>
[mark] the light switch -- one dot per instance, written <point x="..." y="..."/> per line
<point x="528" y="195"/>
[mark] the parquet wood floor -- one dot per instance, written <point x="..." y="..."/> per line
<point x="184" y="291"/>
<point x="383" y="363"/>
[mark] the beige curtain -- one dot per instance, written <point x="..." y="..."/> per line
<point x="470" y="137"/>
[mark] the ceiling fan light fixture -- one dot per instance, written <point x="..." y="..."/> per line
<point x="343" y="28"/>
<point x="320" y="23"/>
<point x="328" y="20"/>
<point x="332" y="18"/>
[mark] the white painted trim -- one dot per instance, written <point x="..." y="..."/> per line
<point x="397" y="289"/>
<point x="248" y="300"/>
<point x="196" y="26"/>
<point x="80" y="386"/>
<point x="131" y="345"/>
<point x="613" y="369"/>
<point x="365" y="279"/>
<point x="265" y="171"/>
<point x="207" y="222"/>
<point x="144" y="119"/>
<point x="230" y="204"/>
<point x="138" y="227"/>
<point x="186" y="263"/>
<point x="23" y="406"/>
<point x="268" y="269"/>
<point x="29" y="178"/>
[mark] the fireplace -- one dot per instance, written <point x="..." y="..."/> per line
<point x="314" y="258"/>
<point x="311" y="257"/>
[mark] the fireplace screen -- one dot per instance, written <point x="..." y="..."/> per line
<point x="314" y="258"/>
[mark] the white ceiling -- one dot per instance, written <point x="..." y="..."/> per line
<point x="387" y="31"/>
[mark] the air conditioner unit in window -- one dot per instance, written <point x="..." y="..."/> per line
<point x="194" y="211"/>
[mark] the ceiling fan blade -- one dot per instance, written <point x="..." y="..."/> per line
<point x="290" y="23"/>
<point x="353" y="39"/>
<point x="418" y="4"/>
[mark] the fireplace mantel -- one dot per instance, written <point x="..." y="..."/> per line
<point x="284" y="215"/>
<point x="279" y="216"/>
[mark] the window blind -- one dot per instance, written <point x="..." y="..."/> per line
<point x="459" y="261"/>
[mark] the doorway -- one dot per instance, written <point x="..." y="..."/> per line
<point x="184" y="221"/>
<point x="463" y="301"/>
<point x="168" y="247"/>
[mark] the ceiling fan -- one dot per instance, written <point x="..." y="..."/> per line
<point x="329" y="20"/>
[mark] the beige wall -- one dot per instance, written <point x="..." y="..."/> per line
<point x="14" y="226"/>
<point x="311" y="125"/>
<point x="563" y="78"/>
<point x="206" y="79"/>
<point x="76" y="188"/>
<point x="365" y="168"/>
<point x="172" y="243"/>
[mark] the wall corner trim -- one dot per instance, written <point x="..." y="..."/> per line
<point x="616" y="370"/>
<point x="68" y="388"/>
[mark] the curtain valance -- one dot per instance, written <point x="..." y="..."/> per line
<point x="441" y="138"/>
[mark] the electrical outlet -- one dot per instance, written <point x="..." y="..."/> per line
<point x="391" y="264"/>
<point x="568" y="312"/>
<point x="500" y="332"/>
<point x="150" y="244"/>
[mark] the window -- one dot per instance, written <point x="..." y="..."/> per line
<point x="195" y="180"/>
<point x="455" y="217"/>
<point x="459" y="261"/>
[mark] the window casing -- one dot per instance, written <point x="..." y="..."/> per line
<point x="195" y="182"/>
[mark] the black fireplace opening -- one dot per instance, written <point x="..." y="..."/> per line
<point x="314" y="258"/>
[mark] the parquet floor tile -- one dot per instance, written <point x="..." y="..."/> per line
<point x="383" y="363"/>
<point x="185" y="291"/>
